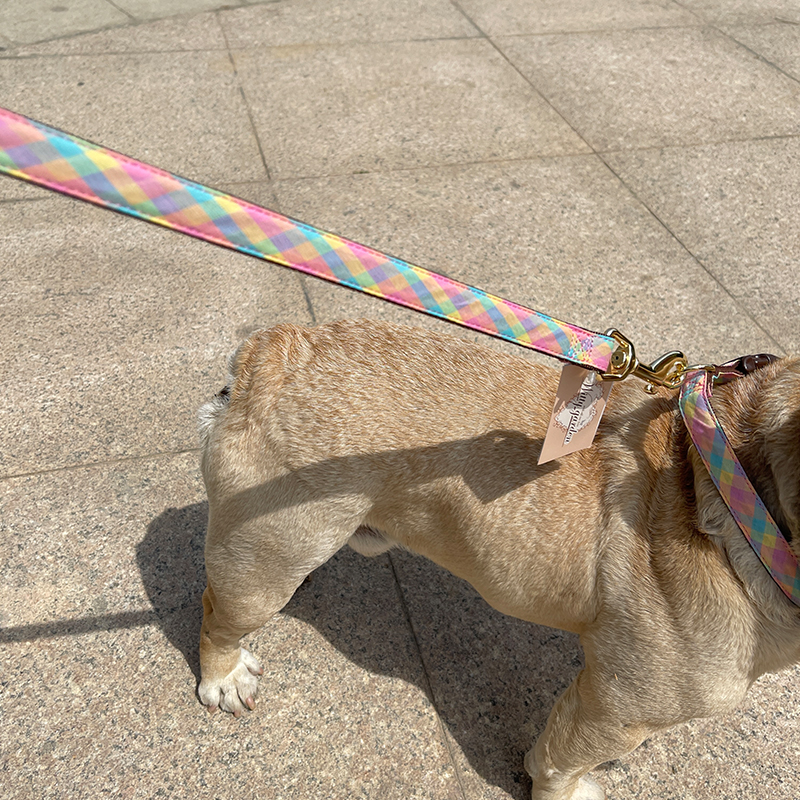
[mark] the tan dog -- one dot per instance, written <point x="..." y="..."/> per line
<point x="376" y="435"/>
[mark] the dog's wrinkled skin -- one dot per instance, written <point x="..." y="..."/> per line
<point x="376" y="435"/>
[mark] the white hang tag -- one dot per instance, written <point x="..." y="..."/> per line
<point x="581" y="399"/>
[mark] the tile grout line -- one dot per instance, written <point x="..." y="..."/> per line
<point x="101" y="54"/>
<point x="599" y="155"/>
<point x="718" y="281"/>
<point x="134" y="21"/>
<point x="716" y="26"/>
<point x="763" y="59"/>
<point x="428" y="684"/>
<point x="523" y="159"/>
<point x="301" y="279"/>
<point x="131" y="19"/>
<point x="101" y="463"/>
<point x="247" y="108"/>
<point x="340" y="44"/>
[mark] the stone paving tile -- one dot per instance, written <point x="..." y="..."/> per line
<point x="520" y="17"/>
<point x="189" y="114"/>
<point x="114" y="332"/>
<point x="158" y="9"/>
<point x="35" y="20"/>
<point x="11" y="190"/>
<point x="733" y="206"/>
<point x="744" y="12"/>
<point x="778" y="43"/>
<point x="296" y="22"/>
<point x="640" y="89"/>
<point x="196" y="32"/>
<point x="562" y="235"/>
<point x="101" y="612"/>
<point x="331" y="109"/>
<point x="495" y="679"/>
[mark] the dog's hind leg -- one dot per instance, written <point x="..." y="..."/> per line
<point x="253" y="568"/>
<point x="229" y="673"/>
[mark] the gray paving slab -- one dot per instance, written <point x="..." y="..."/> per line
<point x="732" y="205"/>
<point x="189" y="114"/>
<point x="296" y="22"/>
<point x="562" y="234"/>
<point x="744" y="12"/>
<point x="21" y="190"/>
<point x="158" y="9"/>
<point x="186" y="32"/>
<point x="778" y="43"/>
<point x="123" y="330"/>
<point x="35" y="20"/>
<point x="519" y="17"/>
<point x="373" y="107"/>
<point x="654" y="88"/>
<point x="103" y="575"/>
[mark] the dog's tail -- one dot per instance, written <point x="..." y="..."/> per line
<point x="265" y="351"/>
<point x="209" y="412"/>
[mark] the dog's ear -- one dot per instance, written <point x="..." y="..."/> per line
<point x="785" y="464"/>
<point x="782" y="448"/>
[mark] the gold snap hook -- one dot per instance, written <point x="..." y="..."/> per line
<point x="667" y="370"/>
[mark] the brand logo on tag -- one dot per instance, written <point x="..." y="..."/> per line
<point x="580" y="401"/>
<point x="581" y="409"/>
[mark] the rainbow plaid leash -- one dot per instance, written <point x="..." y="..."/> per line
<point x="740" y="496"/>
<point x="45" y="156"/>
<point x="37" y="153"/>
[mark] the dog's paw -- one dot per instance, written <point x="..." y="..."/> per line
<point x="236" y="691"/>
<point x="588" y="790"/>
<point x="585" y="789"/>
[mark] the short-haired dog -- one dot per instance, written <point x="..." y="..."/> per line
<point x="376" y="436"/>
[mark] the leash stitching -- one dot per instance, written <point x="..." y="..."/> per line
<point x="521" y="325"/>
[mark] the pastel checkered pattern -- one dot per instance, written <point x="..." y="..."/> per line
<point x="739" y="494"/>
<point x="64" y="163"/>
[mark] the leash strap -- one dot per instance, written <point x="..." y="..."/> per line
<point x="48" y="157"/>
<point x="739" y="494"/>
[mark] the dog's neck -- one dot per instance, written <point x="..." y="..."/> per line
<point x="762" y="424"/>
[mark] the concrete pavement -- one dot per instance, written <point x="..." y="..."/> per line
<point x="624" y="163"/>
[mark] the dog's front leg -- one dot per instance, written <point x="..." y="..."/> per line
<point x="229" y="673"/>
<point x="584" y="729"/>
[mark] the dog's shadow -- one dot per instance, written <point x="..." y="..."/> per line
<point x="492" y="678"/>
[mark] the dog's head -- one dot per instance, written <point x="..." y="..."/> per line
<point x="760" y="414"/>
<point x="775" y="461"/>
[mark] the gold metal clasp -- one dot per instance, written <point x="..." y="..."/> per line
<point x="666" y="370"/>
